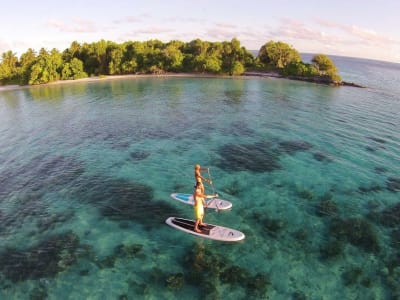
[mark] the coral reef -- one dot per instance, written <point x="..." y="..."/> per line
<point x="299" y="295"/>
<point x="306" y="194"/>
<point x="120" y="252"/>
<point x="45" y="260"/>
<point x="370" y="189"/>
<point x="234" y="188"/>
<point x="239" y="128"/>
<point x="380" y="170"/>
<point x="352" y="275"/>
<point x="270" y="226"/>
<point x="258" y="157"/>
<point x="393" y="184"/>
<point x="356" y="231"/>
<point x="291" y="147"/>
<point x="139" y="155"/>
<point x="319" y="156"/>
<point x="326" y="207"/>
<point x="207" y="269"/>
<point x="389" y="217"/>
<point x="50" y="222"/>
<point x="175" y="281"/>
<point x="123" y="200"/>
<point x="41" y="172"/>
<point x="333" y="248"/>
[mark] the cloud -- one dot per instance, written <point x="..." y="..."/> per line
<point x="294" y="29"/>
<point x="363" y="35"/>
<point x="153" y="30"/>
<point x="226" y="25"/>
<point x="219" y="34"/>
<point x="184" y="20"/>
<point x="133" y="19"/>
<point x="75" y="26"/>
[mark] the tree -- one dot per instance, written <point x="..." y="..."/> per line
<point x="277" y="55"/>
<point x="73" y="70"/>
<point x="173" y="56"/>
<point x="115" y="64"/>
<point x="325" y="67"/>
<point x="300" y="69"/>
<point x="26" y="61"/>
<point x="8" y="67"/>
<point x="73" y="51"/>
<point x="47" y="67"/>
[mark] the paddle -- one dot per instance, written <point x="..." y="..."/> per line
<point x="213" y="189"/>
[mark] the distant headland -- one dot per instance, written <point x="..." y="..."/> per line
<point x="153" y="57"/>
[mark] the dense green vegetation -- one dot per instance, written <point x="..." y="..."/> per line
<point x="155" y="57"/>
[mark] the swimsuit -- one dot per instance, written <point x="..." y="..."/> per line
<point x="199" y="211"/>
<point x="199" y="208"/>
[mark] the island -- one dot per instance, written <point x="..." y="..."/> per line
<point x="197" y="57"/>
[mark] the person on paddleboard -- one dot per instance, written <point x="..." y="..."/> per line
<point x="199" y="204"/>
<point x="199" y="178"/>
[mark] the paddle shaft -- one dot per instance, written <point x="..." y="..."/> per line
<point x="213" y="189"/>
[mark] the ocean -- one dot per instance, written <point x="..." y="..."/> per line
<point x="312" y="171"/>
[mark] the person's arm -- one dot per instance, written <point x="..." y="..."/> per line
<point x="205" y="179"/>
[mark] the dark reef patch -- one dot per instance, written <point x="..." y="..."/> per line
<point x="42" y="172"/>
<point x="124" y="200"/>
<point x="374" y="188"/>
<point x="291" y="147"/>
<point x="175" y="281"/>
<point x="134" y="201"/>
<point x="306" y="194"/>
<point x="238" y="129"/>
<point x="351" y="276"/>
<point x="333" y="248"/>
<point x="258" y="157"/>
<point x="139" y="155"/>
<point x="233" y="188"/>
<point x="122" y="251"/>
<point x="25" y="205"/>
<point x="45" y="260"/>
<point x="323" y="157"/>
<point x="206" y="270"/>
<point x="395" y="237"/>
<point x="49" y="222"/>
<point x="356" y="231"/>
<point x="389" y="217"/>
<point x="380" y="170"/>
<point x="270" y="226"/>
<point x="393" y="184"/>
<point x="326" y="207"/>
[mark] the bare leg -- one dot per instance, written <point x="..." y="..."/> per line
<point x="201" y="222"/>
<point x="196" y="226"/>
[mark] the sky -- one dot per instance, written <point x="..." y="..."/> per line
<point x="355" y="28"/>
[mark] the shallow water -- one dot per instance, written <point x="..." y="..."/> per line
<point x="86" y="170"/>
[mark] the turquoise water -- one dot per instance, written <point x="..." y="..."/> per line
<point x="313" y="172"/>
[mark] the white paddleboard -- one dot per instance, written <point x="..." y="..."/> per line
<point x="208" y="231"/>
<point x="211" y="203"/>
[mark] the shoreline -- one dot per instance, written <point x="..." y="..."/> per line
<point x="180" y="75"/>
<point x="113" y="77"/>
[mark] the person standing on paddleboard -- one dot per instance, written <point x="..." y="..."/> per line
<point x="199" y="204"/>
<point x="199" y="178"/>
